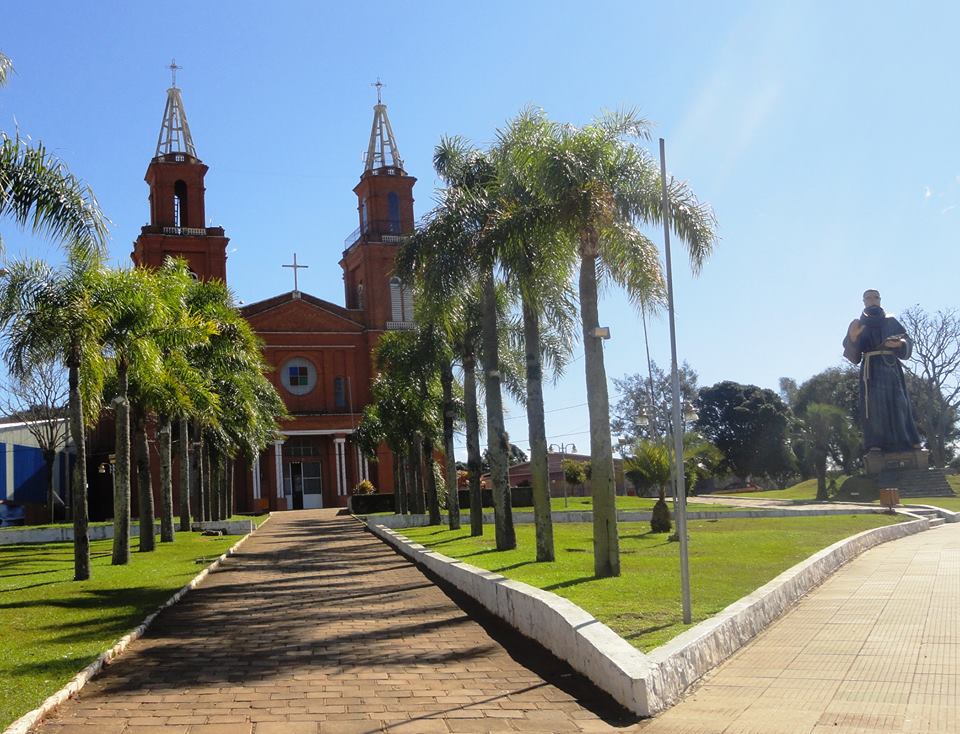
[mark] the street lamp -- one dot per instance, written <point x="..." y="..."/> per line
<point x="681" y="508"/>
<point x="562" y="449"/>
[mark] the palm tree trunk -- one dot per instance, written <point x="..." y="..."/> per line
<point x="207" y="483"/>
<point x="49" y="457"/>
<point x="144" y="484"/>
<point x="430" y="479"/>
<point x="164" y="440"/>
<point x="183" y="452"/>
<point x="408" y="482"/>
<point x="472" y="419"/>
<point x="416" y="466"/>
<point x="449" y="464"/>
<point x="230" y="498"/>
<point x="78" y="493"/>
<point x="537" y="430"/>
<point x="399" y="464"/>
<point x="498" y="443"/>
<point x="121" y="473"/>
<point x="606" y="544"/>
<point x="197" y="466"/>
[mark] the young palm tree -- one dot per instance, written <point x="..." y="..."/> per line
<point x="600" y="186"/>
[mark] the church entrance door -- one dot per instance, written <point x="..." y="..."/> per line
<point x="296" y="484"/>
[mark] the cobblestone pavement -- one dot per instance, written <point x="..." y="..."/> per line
<point x="317" y="627"/>
<point x="874" y="649"/>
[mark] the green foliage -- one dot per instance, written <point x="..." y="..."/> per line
<point x="749" y="425"/>
<point x="649" y="467"/>
<point x="660" y="517"/>
<point x="573" y="472"/>
<point x="365" y="487"/>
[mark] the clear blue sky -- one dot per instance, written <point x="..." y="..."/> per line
<point x="824" y="135"/>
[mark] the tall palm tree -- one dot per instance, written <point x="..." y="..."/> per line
<point x="52" y="314"/>
<point x="601" y="187"/>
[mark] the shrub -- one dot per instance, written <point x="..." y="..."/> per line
<point x="660" y="519"/>
<point x="365" y="487"/>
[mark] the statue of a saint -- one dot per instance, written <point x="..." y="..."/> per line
<point x="877" y="343"/>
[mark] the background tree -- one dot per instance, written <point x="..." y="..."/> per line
<point x="749" y="425"/>
<point x="39" y="399"/>
<point x="635" y="397"/>
<point x="649" y="468"/>
<point x="936" y="361"/>
<point x="573" y="473"/>
<point x="822" y="428"/>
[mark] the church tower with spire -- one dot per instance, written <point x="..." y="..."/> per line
<point x="177" y="219"/>
<point x="385" y="214"/>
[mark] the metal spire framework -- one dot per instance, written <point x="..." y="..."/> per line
<point x="174" y="131"/>
<point x="382" y="151"/>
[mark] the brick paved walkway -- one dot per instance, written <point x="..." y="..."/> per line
<point x="875" y="648"/>
<point x="318" y="627"/>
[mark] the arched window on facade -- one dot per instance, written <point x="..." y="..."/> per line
<point x="393" y="212"/>
<point x="360" y="295"/>
<point x="401" y="301"/>
<point x="180" y="204"/>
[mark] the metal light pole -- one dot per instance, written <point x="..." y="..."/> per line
<point x="681" y="503"/>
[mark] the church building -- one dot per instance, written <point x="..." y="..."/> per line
<point x="321" y="352"/>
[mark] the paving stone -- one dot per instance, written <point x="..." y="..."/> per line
<point x="317" y="626"/>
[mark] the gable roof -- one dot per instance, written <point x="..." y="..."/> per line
<point x="292" y="297"/>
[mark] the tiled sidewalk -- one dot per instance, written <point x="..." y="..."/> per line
<point x="874" y="649"/>
<point x="316" y="626"/>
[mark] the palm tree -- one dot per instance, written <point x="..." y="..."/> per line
<point x="600" y="185"/>
<point x="52" y="314"/>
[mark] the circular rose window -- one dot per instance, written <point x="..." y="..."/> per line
<point x="298" y="375"/>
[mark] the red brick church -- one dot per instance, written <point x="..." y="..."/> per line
<point x="320" y="351"/>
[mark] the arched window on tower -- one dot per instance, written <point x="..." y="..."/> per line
<point x="393" y="212"/>
<point x="360" y="295"/>
<point x="401" y="302"/>
<point x="180" y="204"/>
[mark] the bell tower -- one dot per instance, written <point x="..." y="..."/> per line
<point x="177" y="219"/>
<point x="385" y="214"/>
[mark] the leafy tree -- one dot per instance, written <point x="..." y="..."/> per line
<point x="40" y="400"/>
<point x="936" y="362"/>
<point x="823" y="428"/>
<point x="749" y="425"/>
<point x="573" y="472"/>
<point x="636" y="398"/>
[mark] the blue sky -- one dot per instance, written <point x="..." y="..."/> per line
<point x="824" y="135"/>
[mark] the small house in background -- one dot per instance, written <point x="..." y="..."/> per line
<point x="23" y="472"/>
<point x="520" y="476"/>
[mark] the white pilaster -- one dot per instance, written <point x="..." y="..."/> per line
<point x="278" y="461"/>
<point x="256" y="477"/>
<point x="340" y="444"/>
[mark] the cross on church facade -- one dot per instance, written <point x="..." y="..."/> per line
<point x="295" y="267"/>
<point x="379" y="85"/>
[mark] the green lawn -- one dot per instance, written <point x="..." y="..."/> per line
<point x="728" y="560"/>
<point x="51" y="626"/>
<point x="805" y="490"/>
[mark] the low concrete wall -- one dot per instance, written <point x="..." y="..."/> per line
<point x="645" y="684"/>
<point x="12" y="536"/>
<point x="416" y="521"/>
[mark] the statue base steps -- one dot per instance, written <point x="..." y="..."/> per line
<point x="916" y="482"/>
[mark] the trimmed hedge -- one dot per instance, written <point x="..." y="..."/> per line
<point x="365" y="504"/>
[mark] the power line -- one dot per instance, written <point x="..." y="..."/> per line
<point x="555" y="410"/>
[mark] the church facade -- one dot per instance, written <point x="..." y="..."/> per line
<point x="320" y="352"/>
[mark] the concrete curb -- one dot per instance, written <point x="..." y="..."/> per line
<point x="645" y="684"/>
<point x="947" y="515"/>
<point x="24" y="535"/>
<point x="415" y="521"/>
<point x="31" y="718"/>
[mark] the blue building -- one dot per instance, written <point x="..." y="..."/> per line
<point x="23" y="473"/>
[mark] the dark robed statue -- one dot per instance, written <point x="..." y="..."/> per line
<point x="877" y="343"/>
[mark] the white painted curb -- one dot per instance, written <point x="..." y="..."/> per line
<point x="645" y="684"/>
<point x="27" y="534"/>
<point x="31" y="718"/>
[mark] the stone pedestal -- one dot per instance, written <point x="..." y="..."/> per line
<point x="875" y="462"/>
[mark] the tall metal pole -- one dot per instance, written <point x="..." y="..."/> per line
<point x="681" y="502"/>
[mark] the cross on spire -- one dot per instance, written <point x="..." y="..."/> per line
<point x="296" y="267"/>
<point x="379" y="85"/>
<point x="173" y="71"/>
